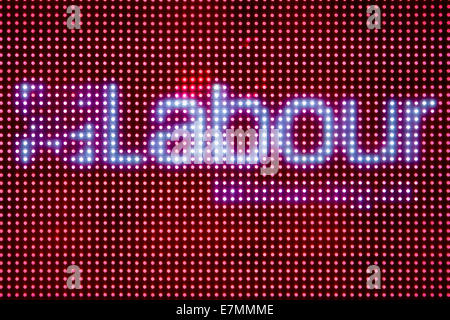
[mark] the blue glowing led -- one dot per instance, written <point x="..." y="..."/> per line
<point x="223" y="109"/>
<point x="285" y="126"/>
<point x="196" y="124"/>
<point x="355" y="154"/>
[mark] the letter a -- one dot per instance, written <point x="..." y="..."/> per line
<point x="374" y="280"/>
<point x="73" y="22"/>
<point x="183" y="145"/>
<point x="75" y="277"/>
<point x="374" y="17"/>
